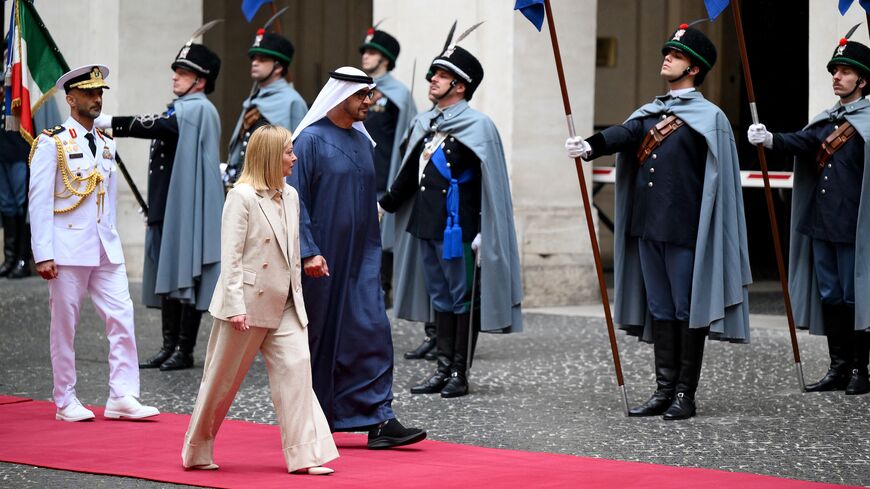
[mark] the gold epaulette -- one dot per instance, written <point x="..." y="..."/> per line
<point x="54" y="131"/>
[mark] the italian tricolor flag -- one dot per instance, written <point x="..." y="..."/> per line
<point x="33" y="65"/>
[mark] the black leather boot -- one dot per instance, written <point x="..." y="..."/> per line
<point x="182" y="357"/>
<point x="427" y="346"/>
<point x="666" y="348"/>
<point x="839" y="349"/>
<point x="387" y="278"/>
<point x="859" y="383"/>
<point x="457" y="386"/>
<point x="691" y="359"/>
<point x="445" y="324"/>
<point x="21" y="268"/>
<point x="170" y="312"/>
<point x="10" y="230"/>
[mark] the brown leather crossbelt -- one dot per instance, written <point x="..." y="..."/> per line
<point x="656" y="135"/>
<point x="833" y="143"/>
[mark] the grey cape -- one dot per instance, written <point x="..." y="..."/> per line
<point x="279" y="103"/>
<point x="501" y="287"/>
<point x="399" y="94"/>
<point x="190" y="249"/>
<point x="721" y="275"/>
<point x="802" y="284"/>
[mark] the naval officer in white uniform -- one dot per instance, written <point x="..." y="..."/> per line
<point x="76" y="247"/>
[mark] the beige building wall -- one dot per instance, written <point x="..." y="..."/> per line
<point x="520" y="92"/>
<point x="137" y="41"/>
<point x="827" y="26"/>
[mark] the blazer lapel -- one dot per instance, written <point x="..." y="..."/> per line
<point x="274" y="220"/>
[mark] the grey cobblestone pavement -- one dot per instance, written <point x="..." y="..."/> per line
<point x="549" y="389"/>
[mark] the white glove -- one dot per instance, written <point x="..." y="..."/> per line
<point x="758" y="134"/>
<point x="475" y="246"/>
<point x="380" y="212"/>
<point x="103" y="121"/>
<point x="577" y="147"/>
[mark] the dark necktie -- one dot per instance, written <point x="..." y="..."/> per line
<point x="91" y="143"/>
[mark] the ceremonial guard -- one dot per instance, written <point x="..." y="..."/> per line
<point x="829" y="220"/>
<point x="185" y="199"/>
<point x="273" y="100"/>
<point x="681" y="265"/>
<point x="455" y="214"/>
<point x="390" y="115"/>
<point x="349" y="332"/>
<point x="76" y="246"/>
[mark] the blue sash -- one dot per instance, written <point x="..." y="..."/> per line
<point x="452" y="232"/>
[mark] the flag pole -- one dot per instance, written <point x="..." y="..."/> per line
<point x="762" y="160"/>
<point x="578" y="163"/>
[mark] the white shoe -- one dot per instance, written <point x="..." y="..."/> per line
<point x="74" y="411"/>
<point x="128" y="407"/>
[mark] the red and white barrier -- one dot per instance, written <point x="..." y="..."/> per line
<point x="748" y="179"/>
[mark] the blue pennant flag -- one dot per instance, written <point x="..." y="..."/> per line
<point x="715" y="7"/>
<point x="533" y="10"/>
<point x="845" y="4"/>
<point x="250" y="7"/>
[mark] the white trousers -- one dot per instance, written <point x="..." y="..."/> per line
<point x="110" y="293"/>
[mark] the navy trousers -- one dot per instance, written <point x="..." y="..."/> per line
<point x="834" y="264"/>
<point x="448" y="282"/>
<point x="667" y="278"/>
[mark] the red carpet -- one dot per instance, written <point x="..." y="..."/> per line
<point x="249" y="455"/>
<point x="12" y="400"/>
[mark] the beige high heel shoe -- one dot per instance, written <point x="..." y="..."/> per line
<point x="204" y="467"/>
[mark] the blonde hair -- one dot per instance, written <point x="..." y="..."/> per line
<point x="264" y="164"/>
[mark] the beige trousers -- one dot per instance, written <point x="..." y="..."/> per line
<point x="305" y="435"/>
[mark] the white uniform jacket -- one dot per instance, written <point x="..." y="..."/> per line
<point x="73" y="237"/>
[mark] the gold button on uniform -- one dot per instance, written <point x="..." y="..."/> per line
<point x="650" y="184"/>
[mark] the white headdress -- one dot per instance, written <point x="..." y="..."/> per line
<point x="342" y="83"/>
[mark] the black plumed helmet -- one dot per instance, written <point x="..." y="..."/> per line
<point x="383" y="43"/>
<point x="694" y="44"/>
<point x="462" y="64"/>
<point x="200" y="60"/>
<point x="274" y="46"/>
<point x="851" y="53"/>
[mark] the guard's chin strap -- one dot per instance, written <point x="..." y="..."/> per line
<point x="195" y="81"/>
<point x="685" y="74"/>
<point x="857" y="86"/>
<point x="452" y="84"/>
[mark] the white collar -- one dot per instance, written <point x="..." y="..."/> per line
<point x="681" y="91"/>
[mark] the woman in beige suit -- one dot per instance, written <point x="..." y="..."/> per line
<point x="258" y="306"/>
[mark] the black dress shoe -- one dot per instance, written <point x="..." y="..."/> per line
<point x="858" y="384"/>
<point x="179" y="360"/>
<point x="832" y="381"/>
<point x="391" y="434"/>
<point x="683" y="407"/>
<point x="432" y="385"/>
<point x="657" y="404"/>
<point x="431" y="356"/>
<point x="157" y="359"/>
<point x="457" y="386"/>
<point x="425" y="347"/>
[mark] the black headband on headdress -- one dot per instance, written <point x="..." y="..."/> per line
<point x="351" y="78"/>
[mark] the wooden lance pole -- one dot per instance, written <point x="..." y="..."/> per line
<point x="587" y="207"/>
<point x="762" y="160"/>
